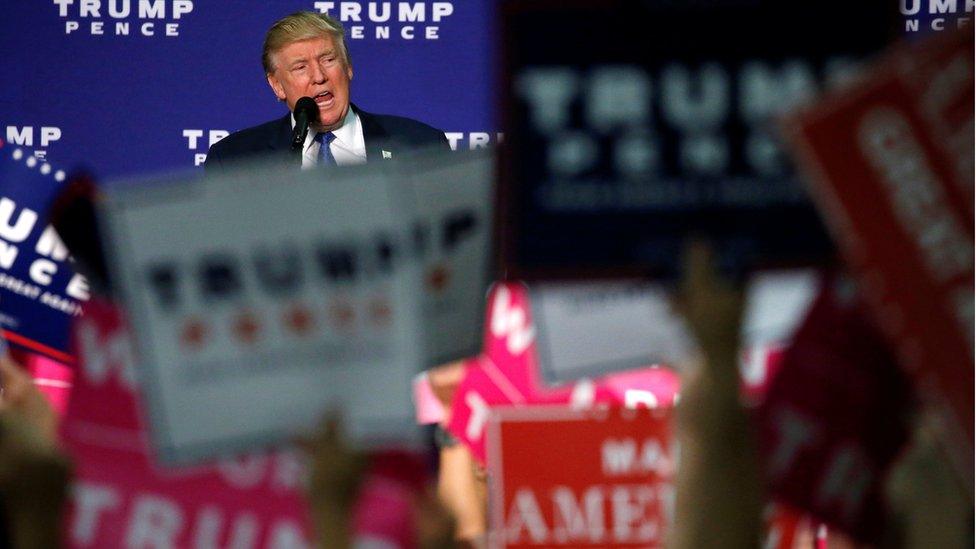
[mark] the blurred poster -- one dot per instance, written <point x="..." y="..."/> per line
<point x="835" y="417"/>
<point x="120" y="495"/>
<point x="659" y="127"/>
<point x="587" y="330"/>
<point x="891" y="165"/>
<point x="776" y="304"/>
<point x="568" y="478"/>
<point x="507" y="374"/>
<point x="594" y="329"/>
<point x="452" y="203"/>
<point x="39" y="291"/>
<point x="260" y="299"/>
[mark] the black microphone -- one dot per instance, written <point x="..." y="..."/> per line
<point x="306" y="112"/>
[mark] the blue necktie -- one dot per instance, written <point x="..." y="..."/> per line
<point x="325" y="154"/>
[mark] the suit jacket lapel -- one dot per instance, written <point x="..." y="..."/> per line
<point x="280" y="142"/>
<point x="374" y="135"/>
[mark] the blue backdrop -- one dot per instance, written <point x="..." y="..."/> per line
<point x="80" y="91"/>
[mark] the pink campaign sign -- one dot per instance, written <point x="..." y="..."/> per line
<point x="122" y="498"/>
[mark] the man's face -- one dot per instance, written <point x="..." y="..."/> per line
<point x="313" y="68"/>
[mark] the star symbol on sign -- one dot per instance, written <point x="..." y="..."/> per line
<point x="298" y="319"/>
<point x="193" y="334"/>
<point x="342" y="314"/>
<point x="438" y="278"/>
<point x="246" y="328"/>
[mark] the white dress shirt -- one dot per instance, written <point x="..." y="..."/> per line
<point x="348" y="147"/>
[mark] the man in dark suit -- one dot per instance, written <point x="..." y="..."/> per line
<point x="305" y="55"/>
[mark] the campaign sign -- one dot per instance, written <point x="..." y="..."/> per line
<point x="776" y="304"/>
<point x="121" y="497"/>
<point x="507" y="374"/>
<point x="581" y="478"/>
<point x="39" y="291"/>
<point x="594" y="329"/>
<point x="835" y="416"/>
<point x="587" y="330"/>
<point x="452" y="201"/>
<point x="891" y="164"/>
<point x="659" y="127"/>
<point x="260" y="298"/>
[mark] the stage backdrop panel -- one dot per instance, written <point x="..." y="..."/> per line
<point x="139" y="86"/>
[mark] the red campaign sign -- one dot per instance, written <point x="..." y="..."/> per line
<point x="508" y="374"/>
<point x="891" y="165"/>
<point x="122" y="498"/>
<point x="572" y="478"/>
<point x="834" y="418"/>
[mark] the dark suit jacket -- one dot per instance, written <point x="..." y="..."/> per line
<point x="381" y="132"/>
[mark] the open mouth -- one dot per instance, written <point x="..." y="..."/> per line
<point x="324" y="99"/>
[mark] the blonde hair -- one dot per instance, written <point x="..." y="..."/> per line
<point x="302" y="25"/>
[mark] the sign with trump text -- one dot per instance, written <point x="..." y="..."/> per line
<point x="121" y="497"/>
<point x="662" y="129"/>
<point x="260" y="298"/>
<point x="452" y="204"/>
<point x="39" y="290"/>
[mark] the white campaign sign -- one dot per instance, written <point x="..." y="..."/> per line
<point x="453" y="199"/>
<point x="587" y="330"/>
<point x="776" y="304"/>
<point x="592" y="329"/>
<point x="262" y="298"/>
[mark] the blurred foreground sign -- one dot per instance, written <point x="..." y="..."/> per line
<point x="589" y="330"/>
<point x="39" y="291"/>
<point x="261" y="298"/>
<point x="891" y="163"/>
<point x="581" y="478"/>
<point x="835" y="416"/>
<point x="659" y="127"/>
<point x="452" y="201"/>
<point x="120" y="495"/>
<point x="594" y="329"/>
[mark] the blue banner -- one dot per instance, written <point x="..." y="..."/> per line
<point x="127" y="87"/>
<point x="39" y="292"/>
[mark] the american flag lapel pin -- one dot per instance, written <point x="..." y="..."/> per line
<point x="387" y="154"/>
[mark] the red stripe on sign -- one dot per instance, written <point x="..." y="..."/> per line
<point x="38" y="347"/>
